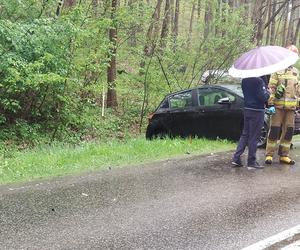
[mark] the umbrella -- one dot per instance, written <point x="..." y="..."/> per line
<point x="263" y="60"/>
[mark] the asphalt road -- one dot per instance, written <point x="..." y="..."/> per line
<point x="191" y="203"/>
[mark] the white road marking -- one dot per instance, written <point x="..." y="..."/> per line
<point x="294" y="246"/>
<point x="274" y="239"/>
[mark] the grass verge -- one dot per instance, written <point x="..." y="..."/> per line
<point x="57" y="160"/>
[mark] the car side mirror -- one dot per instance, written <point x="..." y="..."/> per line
<point x="224" y="100"/>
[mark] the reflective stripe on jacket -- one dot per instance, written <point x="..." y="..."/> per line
<point x="290" y="98"/>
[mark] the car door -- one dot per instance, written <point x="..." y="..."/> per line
<point x="221" y="112"/>
<point x="182" y="110"/>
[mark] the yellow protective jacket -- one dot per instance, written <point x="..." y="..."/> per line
<point x="290" y="79"/>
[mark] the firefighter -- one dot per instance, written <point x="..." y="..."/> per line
<point x="283" y="101"/>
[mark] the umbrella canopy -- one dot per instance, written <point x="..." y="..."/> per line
<point x="263" y="60"/>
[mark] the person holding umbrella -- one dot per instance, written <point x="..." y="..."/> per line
<point x="284" y="100"/>
<point x="252" y="66"/>
<point x="255" y="97"/>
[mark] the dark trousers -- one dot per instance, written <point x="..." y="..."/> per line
<point x="253" y="123"/>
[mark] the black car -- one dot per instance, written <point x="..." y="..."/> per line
<point x="212" y="111"/>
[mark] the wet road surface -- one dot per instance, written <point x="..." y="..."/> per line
<point x="192" y="203"/>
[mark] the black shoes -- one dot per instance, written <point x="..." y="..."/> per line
<point x="255" y="165"/>
<point x="237" y="164"/>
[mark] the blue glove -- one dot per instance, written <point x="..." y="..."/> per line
<point x="272" y="110"/>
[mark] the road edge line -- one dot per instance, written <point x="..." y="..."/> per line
<point x="291" y="246"/>
<point x="274" y="239"/>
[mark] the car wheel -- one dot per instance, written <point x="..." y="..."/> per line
<point x="156" y="130"/>
<point x="262" y="142"/>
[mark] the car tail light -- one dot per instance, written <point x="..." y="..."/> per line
<point x="150" y="116"/>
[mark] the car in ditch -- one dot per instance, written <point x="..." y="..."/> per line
<point x="211" y="111"/>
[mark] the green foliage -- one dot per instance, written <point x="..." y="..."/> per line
<point x="34" y="65"/>
<point x="53" y="69"/>
<point x="25" y="10"/>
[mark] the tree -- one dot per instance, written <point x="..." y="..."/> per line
<point x="259" y="20"/>
<point x="153" y="29"/>
<point x="112" y="67"/>
<point x="273" y="23"/>
<point x="191" y="24"/>
<point x="176" y="21"/>
<point x="285" y="24"/>
<point x="208" y="17"/>
<point x="295" y="4"/>
<point x="165" y="25"/>
<point x="132" y="36"/>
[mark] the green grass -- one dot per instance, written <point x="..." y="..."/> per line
<point x="57" y="160"/>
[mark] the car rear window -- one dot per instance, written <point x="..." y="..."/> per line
<point x="164" y="104"/>
<point x="181" y="100"/>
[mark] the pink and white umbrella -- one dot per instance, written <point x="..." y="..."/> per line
<point x="263" y="60"/>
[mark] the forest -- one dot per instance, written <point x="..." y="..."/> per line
<point x="85" y="70"/>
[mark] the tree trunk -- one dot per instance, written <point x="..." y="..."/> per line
<point x="191" y="25"/>
<point x="165" y="26"/>
<point x="199" y="9"/>
<point x="259" y="21"/>
<point x="112" y="68"/>
<point x="283" y="4"/>
<point x="132" y="33"/>
<point x="152" y="33"/>
<point x="247" y="10"/>
<point x="291" y="25"/>
<point x="152" y="30"/>
<point x="273" y="23"/>
<point x="285" y="23"/>
<point x="297" y="34"/>
<point x="207" y="18"/>
<point x="176" y="21"/>
<point x="269" y="9"/>
<point x="172" y="14"/>
<point x="279" y="26"/>
<point x="218" y="12"/>
<point x="224" y="13"/>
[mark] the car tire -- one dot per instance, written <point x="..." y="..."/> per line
<point x="156" y="130"/>
<point x="262" y="143"/>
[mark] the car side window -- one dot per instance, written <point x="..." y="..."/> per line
<point x="181" y="100"/>
<point x="164" y="104"/>
<point x="210" y="97"/>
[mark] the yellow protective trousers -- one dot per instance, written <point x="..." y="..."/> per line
<point x="281" y="127"/>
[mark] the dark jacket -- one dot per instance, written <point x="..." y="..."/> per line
<point x="255" y="93"/>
